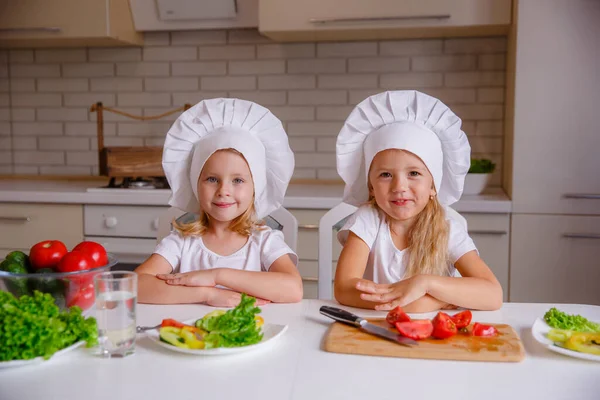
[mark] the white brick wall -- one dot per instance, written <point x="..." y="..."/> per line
<point x="45" y="94"/>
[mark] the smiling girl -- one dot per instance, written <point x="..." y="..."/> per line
<point x="404" y="158"/>
<point x="229" y="162"/>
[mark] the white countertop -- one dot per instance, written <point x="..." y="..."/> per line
<point x="317" y="196"/>
<point x="295" y="367"/>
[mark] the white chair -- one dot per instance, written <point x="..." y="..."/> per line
<point x="280" y="219"/>
<point x="334" y="219"/>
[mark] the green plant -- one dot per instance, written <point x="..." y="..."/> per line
<point x="481" y="166"/>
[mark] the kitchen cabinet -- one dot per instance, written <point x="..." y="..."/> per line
<point x="175" y="15"/>
<point x="67" y="23"/>
<point x="555" y="259"/>
<point x="22" y="225"/>
<point x="557" y="101"/>
<point x="491" y="234"/>
<point x="308" y="248"/>
<point x="315" y="20"/>
<point x="554" y="140"/>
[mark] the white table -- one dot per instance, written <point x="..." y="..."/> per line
<point x="295" y="367"/>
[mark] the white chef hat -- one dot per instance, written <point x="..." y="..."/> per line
<point x="407" y="120"/>
<point x="217" y="124"/>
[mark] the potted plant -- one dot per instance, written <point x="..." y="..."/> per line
<point x="479" y="175"/>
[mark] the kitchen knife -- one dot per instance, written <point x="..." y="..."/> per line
<point x="348" y="318"/>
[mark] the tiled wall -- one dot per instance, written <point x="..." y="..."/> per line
<point x="45" y="94"/>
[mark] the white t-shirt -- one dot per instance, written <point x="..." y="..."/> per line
<point x="189" y="253"/>
<point x="386" y="264"/>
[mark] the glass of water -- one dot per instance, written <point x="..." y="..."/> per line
<point x="116" y="300"/>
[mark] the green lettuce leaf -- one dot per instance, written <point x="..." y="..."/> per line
<point x="33" y="326"/>
<point x="237" y="327"/>
<point x="560" y="320"/>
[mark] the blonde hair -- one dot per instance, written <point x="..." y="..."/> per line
<point x="243" y="224"/>
<point x="427" y="241"/>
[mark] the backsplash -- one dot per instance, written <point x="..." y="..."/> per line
<point x="45" y="94"/>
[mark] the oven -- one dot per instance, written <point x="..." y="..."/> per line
<point x="127" y="231"/>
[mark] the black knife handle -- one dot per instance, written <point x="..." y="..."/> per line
<point x="340" y="315"/>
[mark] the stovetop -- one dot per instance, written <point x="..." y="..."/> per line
<point x="155" y="183"/>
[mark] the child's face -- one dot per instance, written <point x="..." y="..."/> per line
<point x="401" y="183"/>
<point x="225" y="186"/>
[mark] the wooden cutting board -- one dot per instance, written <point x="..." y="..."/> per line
<point x="506" y="347"/>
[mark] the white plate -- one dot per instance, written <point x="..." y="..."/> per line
<point x="270" y="333"/>
<point x="37" y="360"/>
<point x="540" y="329"/>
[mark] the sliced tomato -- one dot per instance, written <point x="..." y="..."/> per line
<point x="484" y="330"/>
<point x="462" y="319"/>
<point x="443" y="326"/>
<point x="397" y="315"/>
<point x="171" y="322"/>
<point x="416" y="329"/>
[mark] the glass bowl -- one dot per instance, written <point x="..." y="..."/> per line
<point x="68" y="288"/>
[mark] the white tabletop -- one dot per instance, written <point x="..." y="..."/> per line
<point x="295" y="367"/>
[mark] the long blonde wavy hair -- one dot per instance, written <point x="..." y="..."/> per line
<point x="427" y="240"/>
<point x="243" y="224"/>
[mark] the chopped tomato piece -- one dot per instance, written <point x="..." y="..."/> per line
<point x="397" y="315"/>
<point x="462" y="319"/>
<point x="172" y="322"/>
<point x="443" y="326"/>
<point x="484" y="330"/>
<point x="416" y="329"/>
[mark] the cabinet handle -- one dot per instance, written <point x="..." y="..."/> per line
<point x="23" y="220"/>
<point x="582" y="235"/>
<point x="33" y="29"/>
<point x="590" y="196"/>
<point x="308" y="226"/>
<point x="488" y="232"/>
<point x="376" y="19"/>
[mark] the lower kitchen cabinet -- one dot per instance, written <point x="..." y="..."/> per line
<point x="22" y="225"/>
<point x="555" y="259"/>
<point x="491" y="232"/>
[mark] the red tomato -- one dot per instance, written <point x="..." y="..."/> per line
<point x="484" y="330"/>
<point x="95" y="250"/>
<point x="83" y="298"/>
<point x="443" y="326"/>
<point x="171" y="322"/>
<point x="462" y="319"/>
<point x="47" y="254"/>
<point x="75" y="261"/>
<point x="417" y="329"/>
<point x="397" y="315"/>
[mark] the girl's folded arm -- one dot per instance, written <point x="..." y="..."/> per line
<point x="425" y="304"/>
<point x="477" y="289"/>
<point x="282" y="284"/>
<point x="155" y="291"/>
<point x="350" y="269"/>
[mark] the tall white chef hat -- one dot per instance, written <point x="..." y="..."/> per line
<point x="407" y="120"/>
<point x="217" y="124"/>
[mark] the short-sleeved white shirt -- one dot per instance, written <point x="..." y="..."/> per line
<point x="189" y="253"/>
<point x="387" y="264"/>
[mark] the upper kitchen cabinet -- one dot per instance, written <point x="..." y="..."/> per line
<point x="173" y="15"/>
<point x="67" y="23"/>
<point x="556" y="134"/>
<point x="321" y="20"/>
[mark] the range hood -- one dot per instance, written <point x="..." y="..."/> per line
<point x="172" y="15"/>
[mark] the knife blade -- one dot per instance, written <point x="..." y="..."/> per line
<point x="351" y="319"/>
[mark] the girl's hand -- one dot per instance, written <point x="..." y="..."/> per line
<point x="392" y="295"/>
<point x="206" y="277"/>
<point x="228" y="298"/>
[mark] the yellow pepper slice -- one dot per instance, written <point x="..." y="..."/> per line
<point x="259" y="320"/>
<point x="584" y="343"/>
<point x="191" y="340"/>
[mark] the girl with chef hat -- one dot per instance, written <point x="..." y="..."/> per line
<point x="404" y="157"/>
<point x="229" y="161"/>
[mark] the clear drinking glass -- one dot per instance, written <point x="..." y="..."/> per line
<point x="116" y="301"/>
